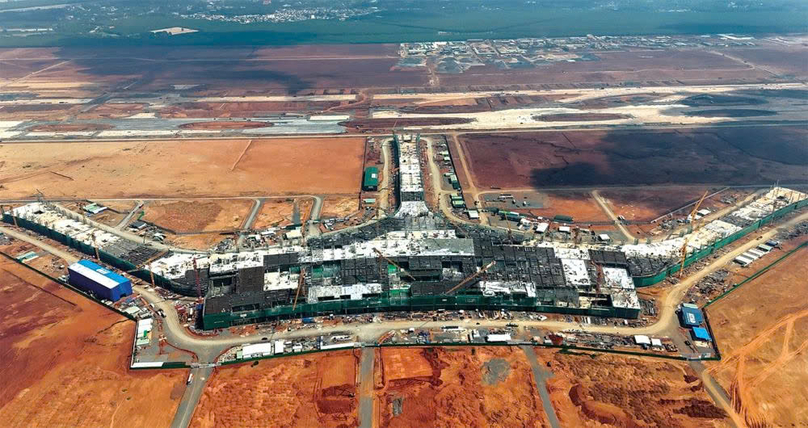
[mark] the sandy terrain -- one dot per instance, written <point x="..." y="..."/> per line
<point x="648" y="204"/>
<point x="198" y="216"/>
<point x="65" y="361"/>
<point x="578" y="205"/>
<point x="454" y="387"/>
<point x="762" y="332"/>
<point x="183" y="168"/>
<point x="339" y="206"/>
<point x="317" y="390"/>
<point x="596" y="390"/>
<point x="279" y="212"/>
<point x="197" y="241"/>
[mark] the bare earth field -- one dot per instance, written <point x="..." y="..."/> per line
<point x="762" y="332"/>
<point x="280" y="212"/>
<point x="339" y="206"/>
<point x="609" y="390"/>
<point x="454" y="387"/>
<point x="602" y="158"/>
<point x="198" y="216"/>
<point x="65" y="361"/>
<point x="182" y="168"/>
<point x="317" y="390"/>
<point x="648" y="204"/>
<point x="581" y="206"/>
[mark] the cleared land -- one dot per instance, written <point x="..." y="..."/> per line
<point x="648" y="204"/>
<point x="581" y="206"/>
<point x="281" y="212"/>
<point x="762" y="331"/>
<point x="594" y="390"/>
<point x="183" y="168"/>
<point x="317" y="390"/>
<point x="602" y="158"/>
<point x="339" y="206"/>
<point x="198" y="216"/>
<point x="65" y="361"/>
<point x="452" y="387"/>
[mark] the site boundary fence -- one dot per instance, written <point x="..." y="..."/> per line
<point x="563" y="348"/>
<point x="396" y="303"/>
<point x="756" y="274"/>
<point x="71" y="288"/>
<point x="710" y="249"/>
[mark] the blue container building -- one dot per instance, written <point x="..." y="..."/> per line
<point x="104" y="283"/>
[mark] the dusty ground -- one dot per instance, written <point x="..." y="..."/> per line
<point x="634" y="157"/>
<point x="198" y="216"/>
<point x="454" y="387"/>
<point x="581" y="206"/>
<point x="196" y="241"/>
<point x="182" y="168"/>
<point x="65" y="361"/>
<point x="339" y="206"/>
<point x="317" y="390"/>
<point x="598" y="390"/>
<point x="762" y="332"/>
<point x="279" y="212"/>
<point x="647" y="204"/>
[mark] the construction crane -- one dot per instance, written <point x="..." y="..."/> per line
<point x="691" y="217"/>
<point x="472" y="277"/>
<point x="198" y="283"/>
<point x="300" y="280"/>
<point x="394" y="264"/>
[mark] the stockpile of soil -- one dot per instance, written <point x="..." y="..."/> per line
<point x="317" y="390"/>
<point x="457" y="387"/>
<point x="591" y="390"/>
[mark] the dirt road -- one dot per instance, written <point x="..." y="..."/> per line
<point x="605" y="207"/>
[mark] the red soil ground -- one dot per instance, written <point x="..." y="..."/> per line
<point x="595" y="390"/>
<point x="629" y="157"/>
<point x="65" y="361"/>
<point x="317" y="390"/>
<point x="451" y="387"/>
<point x="318" y="166"/>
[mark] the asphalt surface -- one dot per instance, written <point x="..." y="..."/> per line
<point x="191" y="397"/>
<point x="541" y="375"/>
<point x="207" y="349"/>
<point x="366" y="388"/>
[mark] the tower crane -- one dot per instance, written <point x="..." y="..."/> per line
<point x="382" y="256"/>
<point x="692" y="218"/>
<point x="472" y="277"/>
<point x="300" y="280"/>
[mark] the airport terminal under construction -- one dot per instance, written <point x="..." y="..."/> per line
<point x="410" y="261"/>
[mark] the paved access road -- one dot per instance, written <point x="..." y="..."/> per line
<point x="541" y="375"/>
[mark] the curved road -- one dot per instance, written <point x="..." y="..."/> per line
<point x="208" y="349"/>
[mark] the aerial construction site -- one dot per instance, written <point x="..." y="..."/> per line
<point x="481" y="233"/>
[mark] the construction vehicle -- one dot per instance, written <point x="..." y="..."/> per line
<point x="472" y="277"/>
<point x="690" y="217"/>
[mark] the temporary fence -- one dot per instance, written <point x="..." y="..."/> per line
<point x="718" y="244"/>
